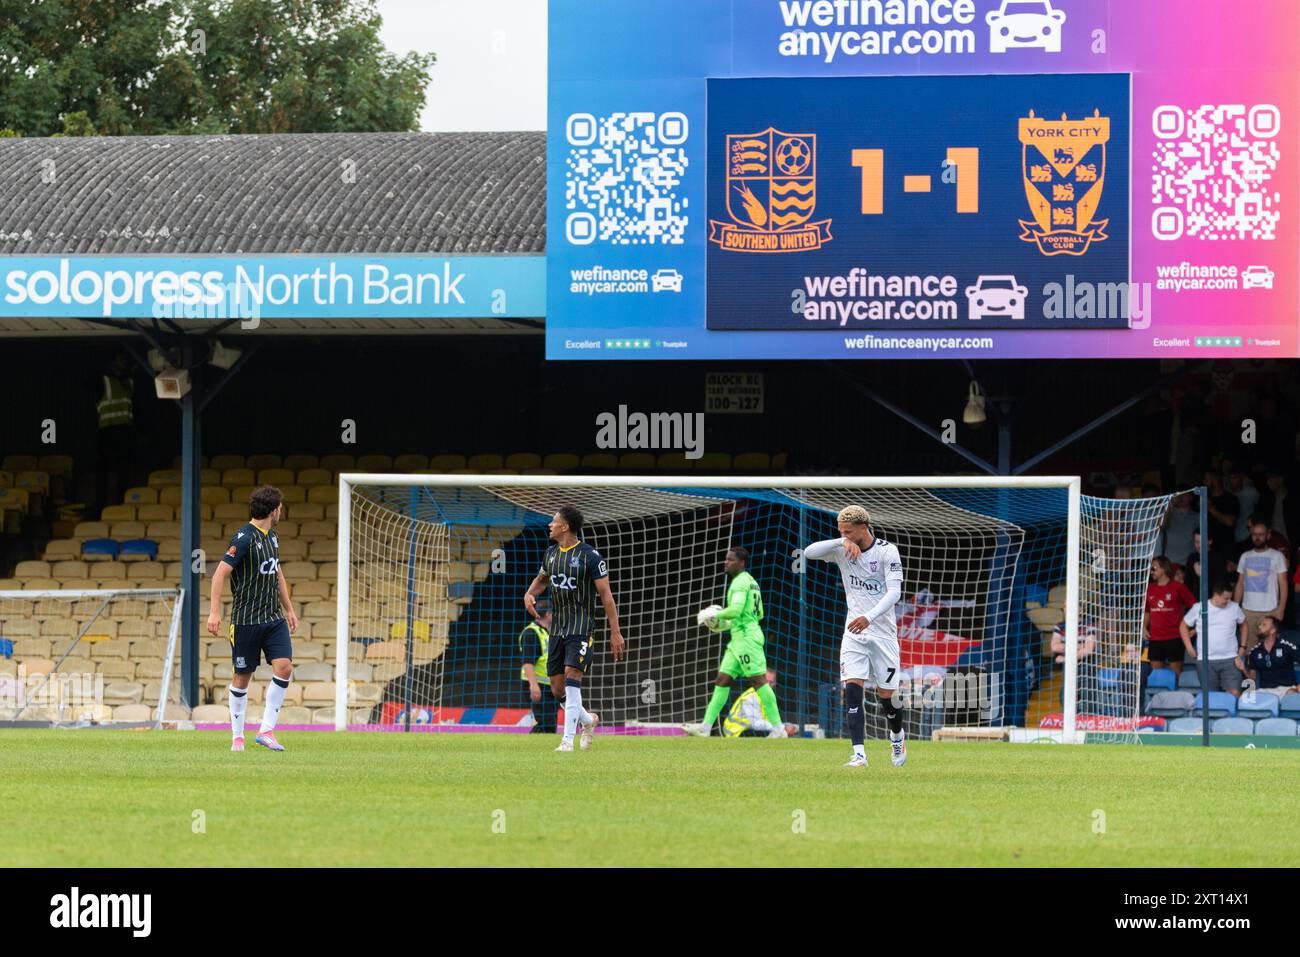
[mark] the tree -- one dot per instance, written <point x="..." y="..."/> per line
<point x="122" y="67"/>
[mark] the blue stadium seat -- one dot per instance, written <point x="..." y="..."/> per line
<point x="1220" y="704"/>
<point x="1233" y="726"/>
<point x="1290" y="706"/>
<point x="1163" y="679"/>
<point x="99" y="546"/>
<point x="1170" y="704"/>
<point x="1184" y="726"/>
<point x="1285" y="727"/>
<point x="1257" y="704"/>
<point x="6" y="647"/>
<point x="1189" y="679"/>
<point x="139" y="546"/>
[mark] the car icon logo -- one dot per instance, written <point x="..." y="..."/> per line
<point x="666" y="280"/>
<point x="1025" y="24"/>
<point x="996" y="297"/>
<point x="1257" y="277"/>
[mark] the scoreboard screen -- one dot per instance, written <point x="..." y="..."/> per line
<point x="763" y="179"/>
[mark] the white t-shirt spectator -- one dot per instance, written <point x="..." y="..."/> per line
<point x="1223" y="629"/>
<point x="1259" y="571"/>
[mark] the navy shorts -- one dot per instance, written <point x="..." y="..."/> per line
<point x="249" y="642"/>
<point x="568" y="651"/>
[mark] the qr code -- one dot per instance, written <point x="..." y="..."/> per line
<point x="1213" y="172"/>
<point x="623" y="179"/>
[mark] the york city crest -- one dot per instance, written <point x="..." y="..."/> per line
<point x="1064" y="173"/>
<point x="771" y="194"/>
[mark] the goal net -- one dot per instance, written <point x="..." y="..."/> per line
<point x="432" y="570"/>
<point x="89" y="655"/>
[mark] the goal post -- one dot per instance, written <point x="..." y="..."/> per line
<point x="72" y="644"/>
<point x="432" y="568"/>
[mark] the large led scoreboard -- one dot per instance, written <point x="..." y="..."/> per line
<point x="921" y="178"/>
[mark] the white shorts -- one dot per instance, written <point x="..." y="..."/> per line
<point x="870" y="659"/>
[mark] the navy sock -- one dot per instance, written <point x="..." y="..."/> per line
<point x="857" y="720"/>
<point x="893" y="714"/>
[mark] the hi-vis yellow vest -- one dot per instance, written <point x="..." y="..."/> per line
<point x="543" y="636"/>
<point x="115" y="407"/>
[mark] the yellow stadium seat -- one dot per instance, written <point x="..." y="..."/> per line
<point x="215" y="495"/>
<point x="38" y="666"/>
<point x="223" y="462"/>
<point x="293" y="494"/>
<point x="322" y="495"/>
<point x="779" y="460"/>
<point x="14" y="500"/>
<point x="338" y="462"/>
<point x="410" y="462"/>
<point x="523" y="460"/>
<point x="56" y="464"/>
<point x="300" y="461"/>
<point x="164" y="477"/>
<point x="210" y="476"/>
<point x="124" y="530"/>
<point x="118" y="513"/>
<point x="71" y="568"/>
<point x="263" y="460"/>
<point x="446" y="462"/>
<point x="233" y="478"/>
<point x="314" y="476"/>
<point x="171" y="495"/>
<point x="6" y="479"/>
<point x="599" y="460"/>
<point x="156" y="513"/>
<point x="561" y="461"/>
<point x="673" y="462"/>
<point x="117" y="669"/>
<point x="19" y="463"/>
<point x="636" y="461"/>
<point x="62" y="549"/>
<point x="375" y="463"/>
<point x="140" y="495"/>
<point x="32" y="569"/>
<point x="485" y="462"/>
<point x="110" y="571"/>
<point x="275" y="476"/>
<point x="295" y="571"/>
<point x="34" y="480"/>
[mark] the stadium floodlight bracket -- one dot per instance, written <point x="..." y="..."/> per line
<point x="348" y="481"/>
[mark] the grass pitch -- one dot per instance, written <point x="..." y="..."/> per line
<point x="121" y="798"/>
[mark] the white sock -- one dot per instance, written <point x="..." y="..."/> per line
<point x="895" y="737"/>
<point x="274" y="699"/>
<point x="860" y="750"/>
<point x="238" y="706"/>
<point x="572" y="710"/>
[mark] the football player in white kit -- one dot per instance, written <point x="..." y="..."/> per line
<point x="873" y="581"/>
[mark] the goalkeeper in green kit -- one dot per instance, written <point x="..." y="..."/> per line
<point x="744" y="656"/>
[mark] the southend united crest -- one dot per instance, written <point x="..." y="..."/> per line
<point x="1065" y="173"/>
<point x="771" y="194"/>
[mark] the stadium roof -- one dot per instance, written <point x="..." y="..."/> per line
<point x="337" y="193"/>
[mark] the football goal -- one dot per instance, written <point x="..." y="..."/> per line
<point x="1022" y="598"/>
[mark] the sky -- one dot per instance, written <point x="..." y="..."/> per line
<point x="491" y="70"/>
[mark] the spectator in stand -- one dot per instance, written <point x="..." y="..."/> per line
<point x="1226" y="639"/>
<point x="1279" y="508"/>
<point x="1240" y="485"/>
<point x="1087" y="641"/>
<point x="1272" y="662"/>
<point x="1261" y="582"/>
<point x="1181" y="522"/>
<point x="1167" y="602"/>
<point x="1224" y="509"/>
<point x="1192" y="567"/>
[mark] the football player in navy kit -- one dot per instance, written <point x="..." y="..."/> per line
<point x="577" y="578"/>
<point x="261" y="616"/>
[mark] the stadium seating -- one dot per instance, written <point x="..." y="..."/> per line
<point x="1190" y="679"/>
<point x="1184" y="726"/>
<point x="1171" y="704"/>
<point x="1258" y="704"/>
<point x="1219" y="704"/>
<point x="1233" y="726"/>
<point x="1286" y="727"/>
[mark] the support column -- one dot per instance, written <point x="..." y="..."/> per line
<point x="191" y="580"/>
